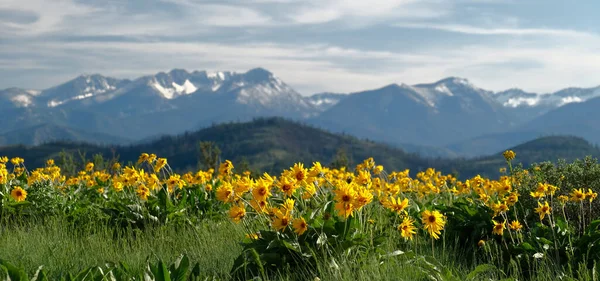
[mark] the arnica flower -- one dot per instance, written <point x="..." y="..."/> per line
<point x="19" y="194"/>
<point x="300" y="226"/>
<point x="577" y="195"/>
<point x="344" y="197"/>
<point x="407" y="228"/>
<point x="237" y="212"/>
<point x="499" y="228"/>
<point x="481" y="243"/>
<point x="509" y="155"/>
<point x="143" y="192"/>
<point x="281" y="221"/>
<point x="225" y="168"/>
<point x="160" y="163"/>
<point x="543" y="210"/>
<point x="287" y="185"/>
<point x="591" y="195"/>
<point x="396" y="205"/>
<point x="563" y="199"/>
<point x="89" y="166"/>
<point x="433" y="222"/>
<point x="299" y="172"/>
<point x="261" y="191"/>
<point x="225" y="192"/>
<point x="516" y="226"/>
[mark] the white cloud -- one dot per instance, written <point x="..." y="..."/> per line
<point x="475" y="30"/>
<point x="50" y="15"/>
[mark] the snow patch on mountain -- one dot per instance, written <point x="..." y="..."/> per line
<point x="567" y="100"/>
<point x="520" y="101"/>
<point x="22" y="100"/>
<point x="187" y="87"/>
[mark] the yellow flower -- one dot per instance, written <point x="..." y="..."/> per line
<point x="344" y="197"/>
<point x="396" y="205"/>
<point x="50" y="162"/>
<point x="225" y="192"/>
<point x="89" y="166"/>
<point x="516" y="226"/>
<point x="299" y="172"/>
<point x="316" y="170"/>
<point x="116" y="166"/>
<point x="563" y="199"/>
<point x="225" y="168"/>
<point x="17" y="161"/>
<point x="143" y="158"/>
<point x="19" y="194"/>
<point x="281" y="221"/>
<point x="543" y="210"/>
<point x="407" y="228"/>
<point x="160" y="163"/>
<point x="262" y="191"/>
<point x="237" y="212"/>
<point x="378" y="169"/>
<point x="591" y="195"/>
<point x="143" y="192"/>
<point x="433" y="222"/>
<point x="118" y="186"/>
<point x="509" y="155"/>
<point x="577" y="195"/>
<point x="499" y="228"/>
<point x="287" y="185"/>
<point x="300" y="226"/>
<point x="481" y="243"/>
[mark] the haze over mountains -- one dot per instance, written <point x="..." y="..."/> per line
<point x="451" y="115"/>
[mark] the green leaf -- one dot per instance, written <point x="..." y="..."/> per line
<point x="15" y="273"/>
<point x="180" y="268"/>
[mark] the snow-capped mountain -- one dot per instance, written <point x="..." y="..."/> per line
<point x="18" y="98"/>
<point x="163" y="103"/>
<point x="324" y="101"/>
<point x="426" y="114"/>
<point x="82" y="87"/>
<point x="514" y="98"/>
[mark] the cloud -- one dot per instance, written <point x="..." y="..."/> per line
<point x="474" y="30"/>
<point x="321" y="11"/>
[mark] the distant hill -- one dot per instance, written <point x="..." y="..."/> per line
<point x="270" y="144"/>
<point x="551" y="148"/>
<point x="491" y="144"/>
<point x="274" y="144"/>
<point x="45" y="133"/>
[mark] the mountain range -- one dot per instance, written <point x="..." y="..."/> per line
<point x="448" y="118"/>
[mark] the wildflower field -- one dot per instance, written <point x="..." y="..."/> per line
<point x="145" y="222"/>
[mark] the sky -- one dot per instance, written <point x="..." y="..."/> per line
<point x="313" y="45"/>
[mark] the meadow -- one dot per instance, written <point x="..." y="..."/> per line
<point x="146" y="222"/>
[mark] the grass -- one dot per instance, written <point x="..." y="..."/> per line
<point x="62" y="248"/>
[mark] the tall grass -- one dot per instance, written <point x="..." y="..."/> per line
<point x="62" y="248"/>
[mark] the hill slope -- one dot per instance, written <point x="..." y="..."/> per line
<point x="551" y="148"/>
<point x="45" y="133"/>
<point x="274" y="144"/>
<point x="267" y="144"/>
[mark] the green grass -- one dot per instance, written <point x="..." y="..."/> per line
<point x="62" y="248"/>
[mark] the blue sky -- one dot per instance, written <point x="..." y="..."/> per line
<point x="313" y="45"/>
